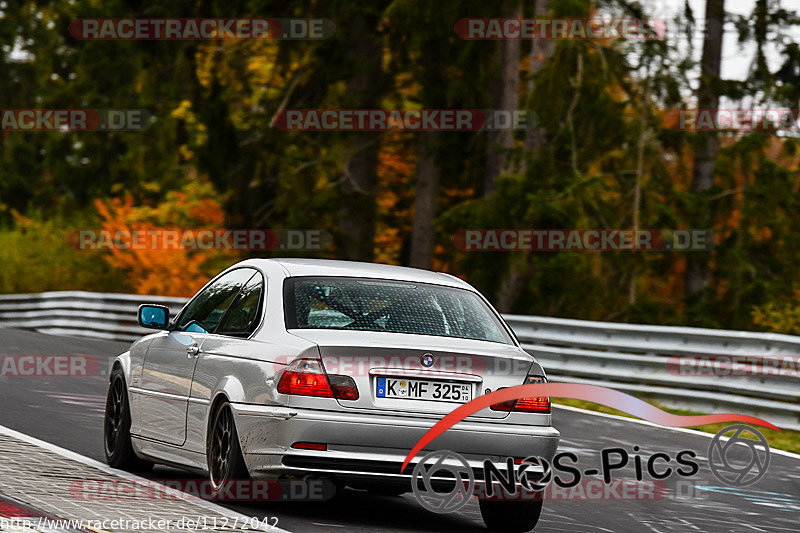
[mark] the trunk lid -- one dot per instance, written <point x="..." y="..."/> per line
<point x="367" y="356"/>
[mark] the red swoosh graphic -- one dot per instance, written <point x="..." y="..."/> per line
<point x="591" y="393"/>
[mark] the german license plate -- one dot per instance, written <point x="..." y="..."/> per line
<point x="419" y="389"/>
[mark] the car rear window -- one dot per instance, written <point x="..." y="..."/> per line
<point x="390" y="306"/>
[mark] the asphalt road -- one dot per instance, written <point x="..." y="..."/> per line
<point x="68" y="412"/>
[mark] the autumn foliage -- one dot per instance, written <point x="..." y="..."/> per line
<point x="166" y="272"/>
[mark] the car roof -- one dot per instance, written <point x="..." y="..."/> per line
<point x="294" y="267"/>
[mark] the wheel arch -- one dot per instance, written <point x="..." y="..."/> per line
<point x="221" y="397"/>
<point x="123" y="362"/>
<point x="229" y="390"/>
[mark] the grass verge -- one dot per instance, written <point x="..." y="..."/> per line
<point x="788" y="439"/>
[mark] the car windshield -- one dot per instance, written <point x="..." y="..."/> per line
<point x="390" y="306"/>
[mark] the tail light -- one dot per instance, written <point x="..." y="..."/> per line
<point x="306" y="377"/>
<point x="317" y="446"/>
<point x="344" y="388"/>
<point x="526" y="405"/>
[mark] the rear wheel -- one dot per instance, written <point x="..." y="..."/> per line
<point x="117" y="428"/>
<point x="225" y="461"/>
<point x="510" y="516"/>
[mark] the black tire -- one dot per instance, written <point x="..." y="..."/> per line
<point x="117" y="428"/>
<point x="511" y="516"/>
<point x="225" y="461"/>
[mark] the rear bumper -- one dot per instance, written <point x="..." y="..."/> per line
<point x="369" y="446"/>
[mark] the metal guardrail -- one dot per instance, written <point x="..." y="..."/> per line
<point x="79" y="313"/>
<point x="628" y="357"/>
<point x="634" y="358"/>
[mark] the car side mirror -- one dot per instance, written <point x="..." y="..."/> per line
<point x="154" y="316"/>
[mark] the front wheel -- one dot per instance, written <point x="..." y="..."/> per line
<point x="510" y="516"/>
<point x="225" y="462"/>
<point x="117" y="428"/>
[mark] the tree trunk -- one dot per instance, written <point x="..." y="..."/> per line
<point x="359" y="182"/>
<point x="505" y="96"/>
<point x="520" y="264"/>
<point x="640" y="169"/>
<point x="423" y="235"/>
<point x="357" y="210"/>
<point x="541" y="51"/>
<point x="697" y="271"/>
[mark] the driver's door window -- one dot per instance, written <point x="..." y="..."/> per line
<point x="207" y="309"/>
<point x="242" y="317"/>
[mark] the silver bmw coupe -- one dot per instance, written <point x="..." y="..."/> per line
<point x="303" y="368"/>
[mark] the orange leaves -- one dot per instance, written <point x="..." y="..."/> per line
<point x="396" y="161"/>
<point x="388" y="242"/>
<point x="168" y="272"/>
<point x="396" y="176"/>
<point x="762" y="234"/>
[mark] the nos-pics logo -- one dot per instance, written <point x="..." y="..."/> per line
<point x="443" y="481"/>
<point x="738" y="460"/>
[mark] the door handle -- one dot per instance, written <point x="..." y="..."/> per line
<point x="192" y="351"/>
